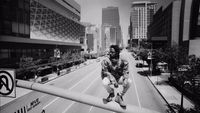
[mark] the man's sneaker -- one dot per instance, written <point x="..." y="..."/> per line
<point x="110" y="97"/>
<point x="115" y="85"/>
<point x="119" y="100"/>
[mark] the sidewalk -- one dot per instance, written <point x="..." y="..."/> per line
<point x="170" y="94"/>
<point x="54" y="75"/>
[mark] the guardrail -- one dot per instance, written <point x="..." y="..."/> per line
<point x="82" y="98"/>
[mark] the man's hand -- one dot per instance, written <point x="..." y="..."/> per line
<point x="116" y="85"/>
<point x="125" y="79"/>
<point x="125" y="76"/>
<point x="113" y="81"/>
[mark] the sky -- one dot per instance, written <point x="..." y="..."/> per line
<point x="91" y="11"/>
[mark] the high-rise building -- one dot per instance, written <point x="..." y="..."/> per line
<point x="38" y="38"/>
<point x="90" y="42"/>
<point x="110" y="15"/>
<point x="111" y="30"/>
<point x="113" y="34"/>
<point x="163" y="3"/>
<point x="34" y="29"/>
<point x="177" y="22"/>
<point x="141" y="16"/>
<point x="92" y="38"/>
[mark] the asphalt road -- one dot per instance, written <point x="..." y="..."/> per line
<point x="87" y="80"/>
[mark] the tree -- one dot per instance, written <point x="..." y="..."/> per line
<point x="143" y="54"/>
<point x="158" y="56"/>
<point x="176" y="108"/>
<point x="171" y="57"/>
<point x="194" y="63"/>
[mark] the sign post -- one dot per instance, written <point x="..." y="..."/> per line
<point x="183" y="69"/>
<point x="7" y="83"/>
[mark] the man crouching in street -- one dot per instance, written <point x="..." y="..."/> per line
<point x="115" y="72"/>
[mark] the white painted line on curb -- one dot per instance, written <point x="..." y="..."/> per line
<point x="135" y="86"/>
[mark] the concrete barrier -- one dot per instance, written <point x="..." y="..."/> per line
<point x="82" y="98"/>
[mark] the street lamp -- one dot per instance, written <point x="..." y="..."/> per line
<point x="150" y="58"/>
<point x="183" y="69"/>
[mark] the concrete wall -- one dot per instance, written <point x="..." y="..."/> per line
<point x="194" y="47"/>
<point x="186" y="21"/>
<point x="175" y="21"/>
<point x="55" y="6"/>
<point x="72" y="3"/>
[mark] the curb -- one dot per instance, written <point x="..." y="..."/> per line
<point x="64" y="74"/>
<point x="161" y="95"/>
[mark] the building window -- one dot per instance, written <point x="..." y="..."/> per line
<point x="199" y="17"/>
<point x="4" y="53"/>
<point x="15" y="18"/>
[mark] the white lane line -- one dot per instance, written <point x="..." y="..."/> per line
<point x="70" y="89"/>
<point x="135" y="87"/>
<point x="81" y="92"/>
<point x="54" y="99"/>
<point x="90" y="109"/>
<point x="93" y="107"/>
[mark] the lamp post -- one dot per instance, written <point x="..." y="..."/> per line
<point x="181" y="108"/>
<point x="139" y="43"/>
<point x="183" y="69"/>
<point x="150" y="58"/>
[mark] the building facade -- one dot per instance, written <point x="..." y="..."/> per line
<point x="140" y="17"/>
<point x="111" y="29"/>
<point x="50" y="21"/>
<point x="176" y="22"/>
<point x="190" y="26"/>
<point x="164" y="30"/>
<point x="92" y="38"/>
<point x="34" y="29"/>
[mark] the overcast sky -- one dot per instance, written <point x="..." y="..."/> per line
<point x="91" y="11"/>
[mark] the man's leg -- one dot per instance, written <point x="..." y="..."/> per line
<point x="106" y="84"/>
<point x="126" y="85"/>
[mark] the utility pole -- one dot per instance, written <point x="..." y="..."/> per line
<point x="181" y="109"/>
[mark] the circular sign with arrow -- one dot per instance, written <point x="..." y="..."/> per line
<point x="6" y="83"/>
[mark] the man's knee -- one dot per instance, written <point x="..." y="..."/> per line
<point x="106" y="81"/>
<point x="127" y="82"/>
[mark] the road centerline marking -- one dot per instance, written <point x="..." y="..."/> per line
<point x="70" y="88"/>
<point x="81" y="92"/>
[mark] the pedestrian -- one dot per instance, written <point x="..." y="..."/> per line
<point x="115" y="72"/>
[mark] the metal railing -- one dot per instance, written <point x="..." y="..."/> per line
<point x="81" y="98"/>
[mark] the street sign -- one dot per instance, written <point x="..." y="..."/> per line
<point x="57" y="53"/>
<point x="150" y="56"/>
<point x="7" y="83"/>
